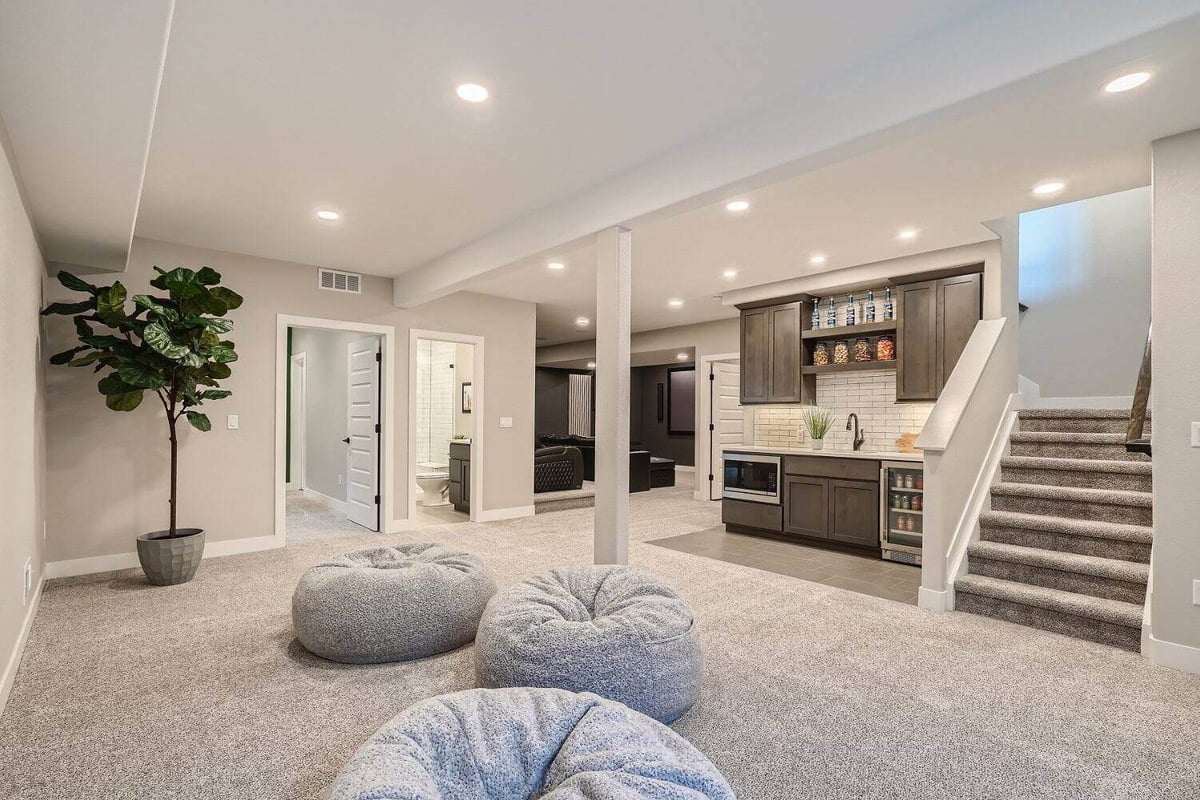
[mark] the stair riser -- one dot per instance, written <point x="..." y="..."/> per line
<point x="1065" y="543"/>
<point x="1073" y="509"/>
<point x="1054" y="621"/>
<point x="1078" y="478"/>
<point x="1058" y="579"/>
<point x="1104" y="452"/>
<point x="1077" y="426"/>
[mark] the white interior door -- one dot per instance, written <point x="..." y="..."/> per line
<point x="727" y="419"/>
<point x="362" y="454"/>
<point x="299" y="426"/>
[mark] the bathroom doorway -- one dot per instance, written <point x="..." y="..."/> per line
<point x="445" y="413"/>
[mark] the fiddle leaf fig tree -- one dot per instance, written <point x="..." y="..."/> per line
<point x="170" y="345"/>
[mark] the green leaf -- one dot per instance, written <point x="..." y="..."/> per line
<point x="157" y="337"/>
<point x="222" y="355"/>
<point x="82" y="328"/>
<point x="208" y="276"/>
<point x="83" y="361"/>
<point x="214" y="394"/>
<point x="151" y="304"/>
<point x="216" y="324"/>
<point x="75" y="284"/>
<point x="68" y="308"/>
<point x="110" y="304"/>
<point x="181" y="282"/>
<point x="230" y="298"/>
<point x="113" y="385"/>
<point x="65" y="356"/>
<point x="140" y="376"/>
<point x="124" y="402"/>
<point x="218" y="371"/>
<point x="199" y="421"/>
<point x="102" y="341"/>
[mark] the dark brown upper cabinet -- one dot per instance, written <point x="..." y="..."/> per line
<point x="771" y="354"/>
<point x="935" y="320"/>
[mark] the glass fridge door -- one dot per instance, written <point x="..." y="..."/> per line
<point x="904" y="506"/>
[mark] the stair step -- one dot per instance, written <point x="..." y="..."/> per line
<point x="1108" y="578"/>
<point x="1107" y="505"/>
<point x="1082" y="472"/>
<point x="1097" y="619"/>
<point x="1076" y="420"/>
<point x="1103" y="446"/>
<point x="1085" y="537"/>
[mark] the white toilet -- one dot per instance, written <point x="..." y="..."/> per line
<point x="434" y="483"/>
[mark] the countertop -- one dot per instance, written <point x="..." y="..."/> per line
<point x="874" y="455"/>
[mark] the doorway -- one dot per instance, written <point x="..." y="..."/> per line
<point x="723" y="419"/>
<point x="333" y="415"/>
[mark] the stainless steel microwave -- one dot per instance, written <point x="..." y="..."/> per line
<point x="751" y="476"/>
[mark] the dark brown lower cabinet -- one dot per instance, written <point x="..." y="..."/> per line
<point x="805" y="506"/>
<point x="834" y="509"/>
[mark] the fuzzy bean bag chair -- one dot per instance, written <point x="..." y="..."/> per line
<point x="391" y="603"/>
<point x="615" y="631"/>
<point x="510" y="744"/>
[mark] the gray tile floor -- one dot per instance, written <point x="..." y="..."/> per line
<point x="861" y="574"/>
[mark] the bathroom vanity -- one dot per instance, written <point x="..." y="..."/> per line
<point x="460" y="475"/>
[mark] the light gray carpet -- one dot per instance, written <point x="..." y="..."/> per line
<point x="810" y="691"/>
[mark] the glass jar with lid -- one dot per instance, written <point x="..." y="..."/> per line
<point x="862" y="350"/>
<point x="841" y="352"/>
<point x="885" y="348"/>
<point x="820" y="355"/>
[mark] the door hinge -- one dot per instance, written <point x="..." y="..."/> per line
<point x="710" y="477"/>
<point x="712" y="427"/>
<point x="376" y="499"/>
<point x="712" y="376"/>
<point x="377" y="427"/>
<point x="378" y="356"/>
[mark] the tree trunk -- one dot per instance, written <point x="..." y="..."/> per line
<point x="174" y="470"/>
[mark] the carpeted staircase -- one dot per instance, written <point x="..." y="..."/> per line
<point x="1066" y="544"/>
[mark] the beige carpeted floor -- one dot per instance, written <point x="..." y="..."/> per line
<point x="198" y="691"/>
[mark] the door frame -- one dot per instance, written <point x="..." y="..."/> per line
<point x="378" y="436"/>
<point x="387" y="521"/>
<point x="299" y="425"/>
<point x="477" y="414"/>
<point x="704" y="464"/>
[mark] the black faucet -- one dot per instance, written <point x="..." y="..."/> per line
<point x="859" y="436"/>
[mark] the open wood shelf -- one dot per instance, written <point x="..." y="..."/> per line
<point x="850" y="331"/>
<point x="853" y="366"/>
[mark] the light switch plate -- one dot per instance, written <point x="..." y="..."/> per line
<point x="231" y="422"/>
<point x="506" y="422"/>
<point x="26" y="581"/>
<point x="1196" y="434"/>
<point x="1196" y="592"/>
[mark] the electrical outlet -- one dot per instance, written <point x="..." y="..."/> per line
<point x="1196" y="592"/>
<point x="340" y="477"/>
<point x="506" y="422"/>
<point x="231" y="422"/>
<point x="1196" y="434"/>
<point x="26" y="581"/>
<point x="43" y="530"/>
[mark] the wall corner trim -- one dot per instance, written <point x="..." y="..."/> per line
<point x="497" y="514"/>
<point x="9" y="676"/>
<point x="1174" y="655"/>
<point x="116" y="561"/>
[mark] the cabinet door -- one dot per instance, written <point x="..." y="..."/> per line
<point x="756" y="355"/>
<point x="854" y="512"/>
<point x="785" y="353"/>
<point x="959" y="308"/>
<point x="805" y="506"/>
<point x="916" y="341"/>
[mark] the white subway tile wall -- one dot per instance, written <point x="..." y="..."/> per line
<point x="435" y="401"/>
<point x="871" y="395"/>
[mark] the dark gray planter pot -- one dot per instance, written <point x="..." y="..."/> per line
<point x="168" y="560"/>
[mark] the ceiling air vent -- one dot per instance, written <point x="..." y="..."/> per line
<point x="337" y="281"/>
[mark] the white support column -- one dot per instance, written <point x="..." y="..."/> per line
<point x="613" y="277"/>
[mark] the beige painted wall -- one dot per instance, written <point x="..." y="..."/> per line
<point x="227" y="476"/>
<point x="1175" y="272"/>
<point x="21" y="411"/>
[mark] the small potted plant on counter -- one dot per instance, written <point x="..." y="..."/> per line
<point x="171" y="346"/>
<point x="817" y="421"/>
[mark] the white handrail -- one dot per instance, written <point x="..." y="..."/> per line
<point x="956" y="396"/>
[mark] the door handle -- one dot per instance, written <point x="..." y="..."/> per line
<point x="346" y="440"/>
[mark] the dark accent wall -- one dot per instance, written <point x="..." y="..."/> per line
<point x="652" y="433"/>
<point x="551" y="401"/>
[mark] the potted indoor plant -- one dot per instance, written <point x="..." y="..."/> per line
<point x="169" y="345"/>
<point x="817" y="421"/>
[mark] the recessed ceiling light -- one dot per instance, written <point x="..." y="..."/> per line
<point x="817" y="258"/>
<point x="472" y="92"/>
<point x="907" y="234"/>
<point x="591" y="365"/>
<point x="729" y="274"/>
<point x="1049" y="187"/>
<point x="1126" y="82"/>
<point x="681" y="356"/>
<point x="675" y="302"/>
<point x="328" y="215"/>
<point x="556" y="265"/>
<point x="737" y="205"/>
<point x="582" y="322"/>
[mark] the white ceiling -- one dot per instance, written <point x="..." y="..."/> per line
<point x="944" y="180"/>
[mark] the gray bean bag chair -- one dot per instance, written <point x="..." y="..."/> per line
<point x="391" y="603"/>
<point x="510" y="744"/>
<point x="615" y="631"/>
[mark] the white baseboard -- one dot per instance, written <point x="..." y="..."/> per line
<point x="109" y="563"/>
<point x="14" y="659"/>
<point x="933" y="600"/>
<point x="1174" y="655"/>
<point x="497" y="514"/>
<point x="332" y="502"/>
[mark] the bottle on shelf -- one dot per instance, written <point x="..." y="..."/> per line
<point x="850" y="310"/>
<point x="832" y="315"/>
<point x="870" y="306"/>
<point x="816" y="313"/>
<point x="889" y="310"/>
